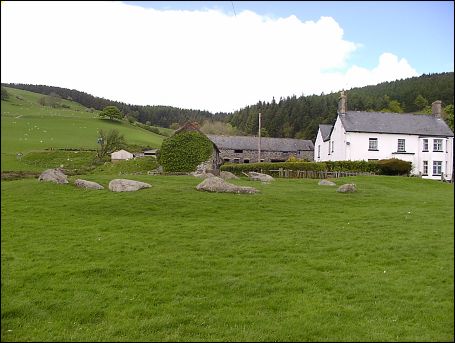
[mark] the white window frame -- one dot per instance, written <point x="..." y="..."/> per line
<point x="425" y="144"/>
<point x="374" y="146"/>
<point x="437" y="166"/>
<point x="437" y="142"/>
<point x="403" y="145"/>
<point x="319" y="151"/>
<point x="425" y="168"/>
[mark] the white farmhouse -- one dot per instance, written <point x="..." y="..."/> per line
<point x="424" y="140"/>
<point x="121" y="155"/>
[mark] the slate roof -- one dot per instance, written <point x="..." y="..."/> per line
<point x="267" y="143"/>
<point x="326" y="129"/>
<point x="398" y="123"/>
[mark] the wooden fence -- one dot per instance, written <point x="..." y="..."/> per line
<point x="310" y="174"/>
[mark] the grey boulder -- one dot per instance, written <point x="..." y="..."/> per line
<point x="53" y="175"/>
<point x="347" y="188"/>
<point x="326" y="183"/>
<point x="218" y="185"/>
<point x="87" y="184"/>
<point x="260" y="177"/>
<point x="125" y="185"/>
<point x="225" y="175"/>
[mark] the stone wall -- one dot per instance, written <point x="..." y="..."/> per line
<point x="251" y="156"/>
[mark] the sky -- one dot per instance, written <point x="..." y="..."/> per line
<point x="221" y="56"/>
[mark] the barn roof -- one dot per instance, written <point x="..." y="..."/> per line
<point x="398" y="123"/>
<point x="267" y="143"/>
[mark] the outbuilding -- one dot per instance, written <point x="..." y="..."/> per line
<point x="121" y="155"/>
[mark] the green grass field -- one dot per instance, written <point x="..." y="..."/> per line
<point x="296" y="262"/>
<point x="27" y="126"/>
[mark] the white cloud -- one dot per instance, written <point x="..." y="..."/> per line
<point x="190" y="59"/>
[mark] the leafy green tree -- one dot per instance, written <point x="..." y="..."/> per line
<point x="420" y="102"/>
<point x="109" y="142"/>
<point x="112" y="112"/>
<point x="448" y="111"/>
<point x="174" y="126"/>
<point x="5" y="94"/>
<point x="393" y="106"/>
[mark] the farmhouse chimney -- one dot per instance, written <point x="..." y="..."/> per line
<point x="436" y="109"/>
<point x="342" y="103"/>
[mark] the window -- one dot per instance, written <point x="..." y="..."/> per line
<point x="425" y="167"/>
<point x="238" y="151"/>
<point x="425" y="145"/>
<point x="401" y="145"/>
<point x="373" y="144"/>
<point x="329" y="147"/>
<point x="333" y="146"/>
<point x="319" y="151"/>
<point x="246" y="160"/>
<point x="226" y="159"/>
<point x="437" y="167"/>
<point x="236" y="160"/>
<point x="437" y="144"/>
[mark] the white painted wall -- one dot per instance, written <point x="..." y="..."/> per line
<point x="121" y="155"/>
<point x="323" y="146"/>
<point x="338" y="142"/>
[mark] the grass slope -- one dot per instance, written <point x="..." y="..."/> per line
<point x="297" y="262"/>
<point x="27" y="126"/>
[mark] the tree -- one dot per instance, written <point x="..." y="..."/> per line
<point x="109" y="142"/>
<point x="448" y="111"/>
<point x="112" y="112"/>
<point x="393" y="106"/>
<point x="5" y="94"/>
<point x="420" y="102"/>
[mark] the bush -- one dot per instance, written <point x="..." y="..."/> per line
<point x="237" y="168"/>
<point x="184" y="151"/>
<point x="352" y="166"/>
<point x="394" y="166"/>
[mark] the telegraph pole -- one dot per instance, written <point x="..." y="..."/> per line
<point x="259" y="142"/>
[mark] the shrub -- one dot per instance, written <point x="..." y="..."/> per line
<point x="352" y="166"/>
<point x="394" y="166"/>
<point x="184" y="151"/>
<point x="237" y="168"/>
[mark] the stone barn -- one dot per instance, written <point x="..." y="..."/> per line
<point x="244" y="149"/>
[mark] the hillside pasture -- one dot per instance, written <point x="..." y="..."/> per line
<point x="295" y="262"/>
<point x="28" y="126"/>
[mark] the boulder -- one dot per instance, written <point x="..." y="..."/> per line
<point x="347" y="188"/>
<point x="225" y="175"/>
<point x="124" y="185"/>
<point x="87" y="184"/>
<point x="202" y="175"/>
<point x="254" y="176"/>
<point x="218" y="185"/>
<point x="326" y="183"/>
<point x="53" y="175"/>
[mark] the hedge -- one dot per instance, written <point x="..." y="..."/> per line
<point x="237" y="168"/>
<point x="386" y="167"/>
<point x="394" y="166"/>
<point x="183" y="152"/>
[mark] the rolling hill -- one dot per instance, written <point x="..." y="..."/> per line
<point x="28" y="126"/>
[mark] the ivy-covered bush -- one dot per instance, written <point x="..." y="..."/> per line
<point x="184" y="151"/>
<point x="394" y="166"/>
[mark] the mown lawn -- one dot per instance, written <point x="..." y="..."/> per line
<point x="297" y="262"/>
